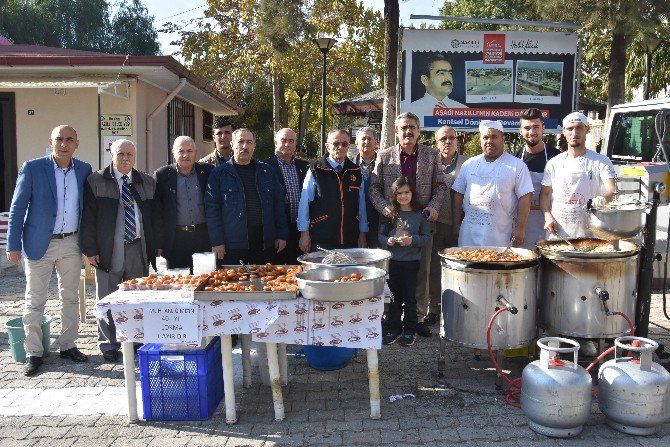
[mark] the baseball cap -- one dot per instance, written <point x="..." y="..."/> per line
<point x="575" y="117"/>
<point x="484" y="125"/>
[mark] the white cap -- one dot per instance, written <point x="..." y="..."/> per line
<point x="484" y="125"/>
<point x="575" y="117"/>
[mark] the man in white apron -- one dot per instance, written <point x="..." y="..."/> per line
<point x="492" y="194"/>
<point x="571" y="179"/>
<point x="535" y="153"/>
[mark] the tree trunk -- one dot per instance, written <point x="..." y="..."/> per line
<point x="305" y="119"/>
<point x="392" y="22"/>
<point x="616" y="75"/>
<point x="279" y="109"/>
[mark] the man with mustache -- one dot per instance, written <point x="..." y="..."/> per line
<point x="121" y="231"/>
<point x="244" y="205"/>
<point x="422" y="166"/>
<point x="222" y="131"/>
<point x="492" y="194"/>
<point x="366" y="144"/>
<point x="438" y="79"/>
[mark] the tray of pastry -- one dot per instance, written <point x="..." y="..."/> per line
<point x="249" y="283"/>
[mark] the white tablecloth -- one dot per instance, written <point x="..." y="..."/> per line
<point x="352" y="324"/>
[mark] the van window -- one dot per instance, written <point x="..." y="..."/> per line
<point x="633" y="136"/>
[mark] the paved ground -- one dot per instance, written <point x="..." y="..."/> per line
<point x="70" y="404"/>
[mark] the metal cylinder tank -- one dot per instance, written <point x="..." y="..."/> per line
<point x="634" y="393"/>
<point x="470" y="296"/>
<point x="556" y="394"/>
<point x="579" y="288"/>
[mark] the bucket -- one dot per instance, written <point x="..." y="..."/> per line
<point x="326" y="358"/>
<point x="17" y="335"/>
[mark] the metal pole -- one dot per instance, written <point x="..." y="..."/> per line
<point x="300" y="125"/>
<point x="647" y="77"/>
<point x="646" y="270"/>
<point x="323" y="105"/>
<point x="566" y="25"/>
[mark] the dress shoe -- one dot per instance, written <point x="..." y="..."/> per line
<point x="111" y="356"/>
<point x="431" y="319"/>
<point x="74" y="354"/>
<point x="32" y="365"/>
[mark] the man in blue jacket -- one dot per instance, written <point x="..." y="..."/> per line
<point x="244" y="205"/>
<point x="43" y="223"/>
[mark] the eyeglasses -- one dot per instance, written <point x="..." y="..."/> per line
<point x="339" y="144"/>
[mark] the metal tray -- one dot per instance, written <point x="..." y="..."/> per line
<point x="317" y="284"/>
<point x="530" y="258"/>
<point x="368" y="257"/>
<point x="200" y="295"/>
<point x="548" y="250"/>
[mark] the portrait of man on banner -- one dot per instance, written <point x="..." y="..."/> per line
<point x="437" y="82"/>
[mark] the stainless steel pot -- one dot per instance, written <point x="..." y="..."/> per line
<point x="470" y="296"/>
<point x="367" y="257"/>
<point x="617" y="221"/>
<point x="578" y="289"/>
<point x="317" y="284"/>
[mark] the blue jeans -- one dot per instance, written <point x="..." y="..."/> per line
<point x="402" y="282"/>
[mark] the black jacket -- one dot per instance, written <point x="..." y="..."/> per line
<point x="102" y="199"/>
<point x="166" y="196"/>
<point x="301" y="166"/>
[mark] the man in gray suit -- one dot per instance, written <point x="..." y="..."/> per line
<point x="120" y="230"/>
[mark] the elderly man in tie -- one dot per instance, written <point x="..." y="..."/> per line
<point x="119" y="227"/>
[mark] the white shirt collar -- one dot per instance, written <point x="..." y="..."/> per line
<point x="118" y="175"/>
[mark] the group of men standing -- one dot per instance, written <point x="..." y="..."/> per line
<point x="246" y="210"/>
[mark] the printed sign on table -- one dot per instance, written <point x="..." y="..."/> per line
<point x="177" y="324"/>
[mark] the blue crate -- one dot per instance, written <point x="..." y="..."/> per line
<point x="180" y="385"/>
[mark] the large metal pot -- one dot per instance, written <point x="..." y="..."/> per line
<point x="579" y="289"/>
<point x="368" y="257"/>
<point x="317" y="284"/>
<point x="470" y="296"/>
<point x="617" y="221"/>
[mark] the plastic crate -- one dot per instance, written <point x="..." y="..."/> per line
<point x="182" y="385"/>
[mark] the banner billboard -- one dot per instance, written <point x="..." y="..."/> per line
<point x="458" y="78"/>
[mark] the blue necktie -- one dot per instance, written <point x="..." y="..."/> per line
<point x="129" y="212"/>
<point x="338" y="169"/>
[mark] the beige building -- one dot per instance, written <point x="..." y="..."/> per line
<point x="147" y="99"/>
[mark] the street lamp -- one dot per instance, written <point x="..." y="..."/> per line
<point x="301" y="92"/>
<point x="650" y="45"/>
<point x="324" y="44"/>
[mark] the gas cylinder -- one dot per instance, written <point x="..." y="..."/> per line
<point x="556" y="394"/>
<point x="634" y="392"/>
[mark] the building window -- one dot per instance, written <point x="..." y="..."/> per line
<point x="207" y="123"/>
<point x="181" y="121"/>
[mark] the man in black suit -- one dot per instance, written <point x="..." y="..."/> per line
<point x="180" y="190"/>
<point x="291" y="172"/>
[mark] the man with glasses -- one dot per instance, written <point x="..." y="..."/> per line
<point x="446" y="142"/>
<point x="43" y="224"/>
<point x="332" y="211"/>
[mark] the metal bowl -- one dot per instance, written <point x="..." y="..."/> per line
<point x="530" y="258"/>
<point x="557" y="249"/>
<point x="615" y="222"/>
<point x="317" y="283"/>
<point x="368" y="257"/>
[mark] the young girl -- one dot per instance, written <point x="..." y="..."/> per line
<point x="404" y="236"/>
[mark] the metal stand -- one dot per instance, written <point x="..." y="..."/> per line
<point x="646" y="274"/>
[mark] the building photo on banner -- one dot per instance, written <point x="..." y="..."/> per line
<point x="457" y="78"/>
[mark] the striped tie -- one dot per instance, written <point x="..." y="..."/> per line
<point x="129" y="212"/>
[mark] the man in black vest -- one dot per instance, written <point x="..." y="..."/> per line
<point x="291" y="172"/>
<point x="332" y="210"/>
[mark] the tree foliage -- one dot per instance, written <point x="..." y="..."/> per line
<point x="80" y="24"/>
<point x="612" y="64"/>
<point x="248" y="46"/>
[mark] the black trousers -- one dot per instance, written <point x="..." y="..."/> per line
<point x="290" y="254"/>
<point x="185" y="243"/>
<point x="402" y="282"/>
<point x="255" y="254"/>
